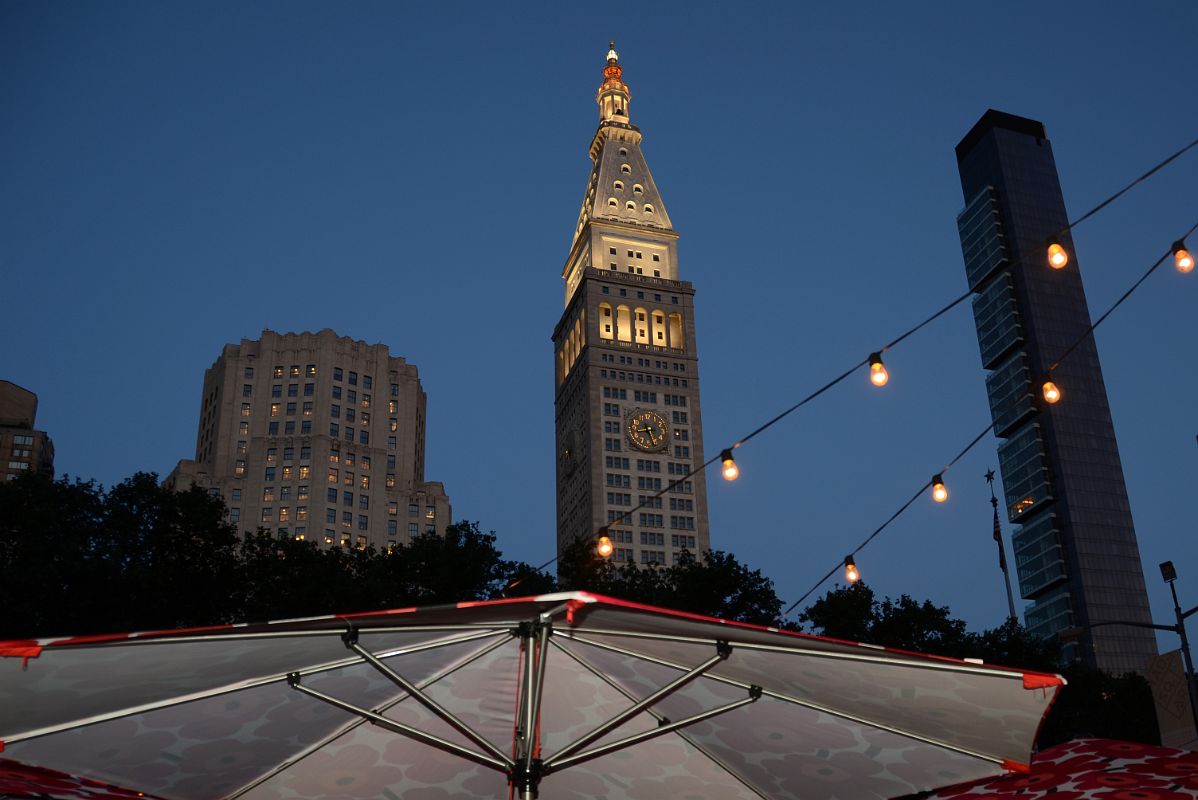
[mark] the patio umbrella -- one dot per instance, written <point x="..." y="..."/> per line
<point x="1093" y="769"/>
<point x="570" y="695"/>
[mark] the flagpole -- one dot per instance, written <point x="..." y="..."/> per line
<point x="1002" y="553"/>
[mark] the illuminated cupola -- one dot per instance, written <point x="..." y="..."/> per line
<point x="613" y="96"/>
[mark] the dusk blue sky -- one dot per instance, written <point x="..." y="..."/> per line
<point x="177" y="176"/>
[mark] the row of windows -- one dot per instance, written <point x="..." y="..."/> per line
<point x="640" y="377"/>
<point x="629" y="205"/>
<point x="279" y="372"/>
<point x="268" y="493"/>
<point x="272" y="453"/>
<point x="268" y="513"/>
<point x="335" y="457"/>
<point x="636" y="189"/>
<point x="272" y="429"/>
<point x="628" y="555"/>
<point x="289" y="473"/>
<point x="616" y="358"/>
<point x="640" y="295"/>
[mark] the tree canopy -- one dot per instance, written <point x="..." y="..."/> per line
<point x="79" y="559"/>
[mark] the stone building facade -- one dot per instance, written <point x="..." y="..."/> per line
<point x="628" y="423"/>
<point x="22" y="449"/>
<point x="319" y="437"/>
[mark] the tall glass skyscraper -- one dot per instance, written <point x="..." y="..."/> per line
<point x="1075" y="546"/>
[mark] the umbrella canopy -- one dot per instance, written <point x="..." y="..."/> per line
<point x="1093" y="769"/>
<point x="572" y="695"/>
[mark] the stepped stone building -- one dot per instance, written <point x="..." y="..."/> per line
<point x="319" y="437"/>
<point x="626" y="364"/>
<point x="22" y="448"/>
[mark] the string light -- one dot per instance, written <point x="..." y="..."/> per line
<point x="850" y="570"/>
<point x="939" y="490"/>
<point x="730" y="470"/>
<point x="604" y="547"/>
<point x="877" y="370"/>
<point x="1052" y="393"/>
<point x="1181" y="257"/>
<point x="1057" y="257"/>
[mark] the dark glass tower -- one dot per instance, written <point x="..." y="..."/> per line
<point x="1075" y="545"/>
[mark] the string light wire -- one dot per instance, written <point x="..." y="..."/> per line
<point x="627" y="515"/>
<point x="1069" y="350"/>
<point x="1126" y="188"/>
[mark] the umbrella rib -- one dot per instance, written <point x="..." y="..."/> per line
<point x="555" y="764"/>
<point x="404" y="730"/>
<point x="355" y="723"/>
<point x="96" y="719"/>
<point x="804" y="703"/>
<point x="947" y="666"/>
<point x="689" y="674"/>
<point x="432" y="705"/>
<point x="719" y="762"/>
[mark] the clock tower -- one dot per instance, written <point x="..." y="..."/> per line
<point x="626" y="365"/>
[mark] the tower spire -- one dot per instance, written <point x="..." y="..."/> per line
<point x="613" y="93"/>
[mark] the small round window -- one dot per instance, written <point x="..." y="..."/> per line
<point x="627" y="170"/>
<point x="611" y="201"/>
<point x="638" y="189"/>
<point x="631" y="206"/>
<point x="619" y="186"/>
<point x="648" y="208"/>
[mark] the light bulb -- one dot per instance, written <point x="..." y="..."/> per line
<point x="1052" y="392"/>
<point x="604" y="548"/>
<point x="939" y="490"/>
<point x="1182" y="258"/>
<point x="1057" y="257"/>
<point x="877" y="370"/>
<point x="850" y="570"/>
<point x="731" y="471"/>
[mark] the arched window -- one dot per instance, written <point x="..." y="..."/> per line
<point x="606" y="322"/>
<point x="648" y="208"/>
<point x="619" y="185"/>
<point x="642" y="326"/>
<point x="623" y="151"/>
<point x="631" y="206"/>
<point x="638" y="189"/>
<point x="623" y="324"/>
<point x="627" y="170"/>
<point x="676" y="337"/>
<point x="611" y="201"/>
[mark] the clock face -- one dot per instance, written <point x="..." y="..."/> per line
<point x="647" y="430"/>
